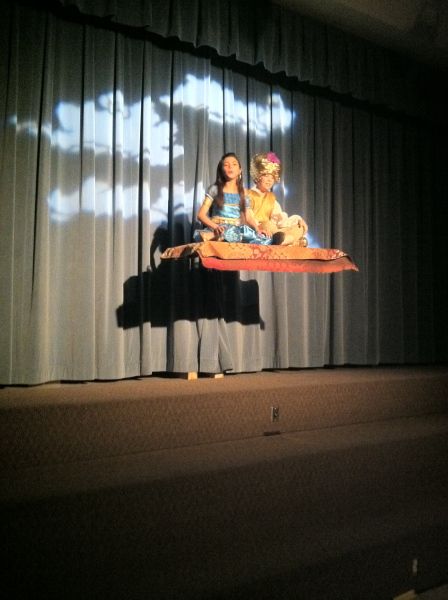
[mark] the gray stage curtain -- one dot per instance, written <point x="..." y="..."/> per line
<point x="261" y="32"/>
<point x="108" y="141"/>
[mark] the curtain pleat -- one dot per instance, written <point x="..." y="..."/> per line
<point x="108" y="143"/>
<point x="284" y="41"/>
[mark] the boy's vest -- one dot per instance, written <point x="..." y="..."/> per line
<point x="262" y="205"/>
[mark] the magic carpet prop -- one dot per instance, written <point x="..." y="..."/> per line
<point x="227" y="256"/>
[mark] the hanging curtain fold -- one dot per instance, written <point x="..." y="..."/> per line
<point x="283" y="41"/>
<point x="107" y="144"/>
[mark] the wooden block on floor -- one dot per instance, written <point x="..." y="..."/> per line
<point x="213" y="375"/>
<point x="194" y="375"/>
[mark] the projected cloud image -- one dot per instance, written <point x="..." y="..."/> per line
<point x="97" y="149"/>
<point x="272" y="112"/>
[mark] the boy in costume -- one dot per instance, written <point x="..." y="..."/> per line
<point x="265" y="170"/>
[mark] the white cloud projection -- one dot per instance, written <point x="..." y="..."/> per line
<point x="95" y="149"/>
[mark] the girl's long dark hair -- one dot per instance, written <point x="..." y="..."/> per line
<point x="221" y="181"/>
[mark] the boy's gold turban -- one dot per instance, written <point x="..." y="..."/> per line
<point x="265" y="163"/>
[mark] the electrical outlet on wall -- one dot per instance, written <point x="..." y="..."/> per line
<point x="275" y="413"/>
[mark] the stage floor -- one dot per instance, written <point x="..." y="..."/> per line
<point x="65" y="422"/>
<point x="175" y="489"/>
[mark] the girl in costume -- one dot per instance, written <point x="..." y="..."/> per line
<point x="225" y="211"/>
<point x="265" y="170"/>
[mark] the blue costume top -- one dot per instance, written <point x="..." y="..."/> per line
<point x="229" y="216"/>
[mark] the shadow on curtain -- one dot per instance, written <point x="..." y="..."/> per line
<point x="109" y="140"/>
<point x="184" y="291"/>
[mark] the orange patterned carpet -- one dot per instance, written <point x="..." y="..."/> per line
<point x="225" y="256"/>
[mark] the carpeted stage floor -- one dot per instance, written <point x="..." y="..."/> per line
<point x="162" y="488"/>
